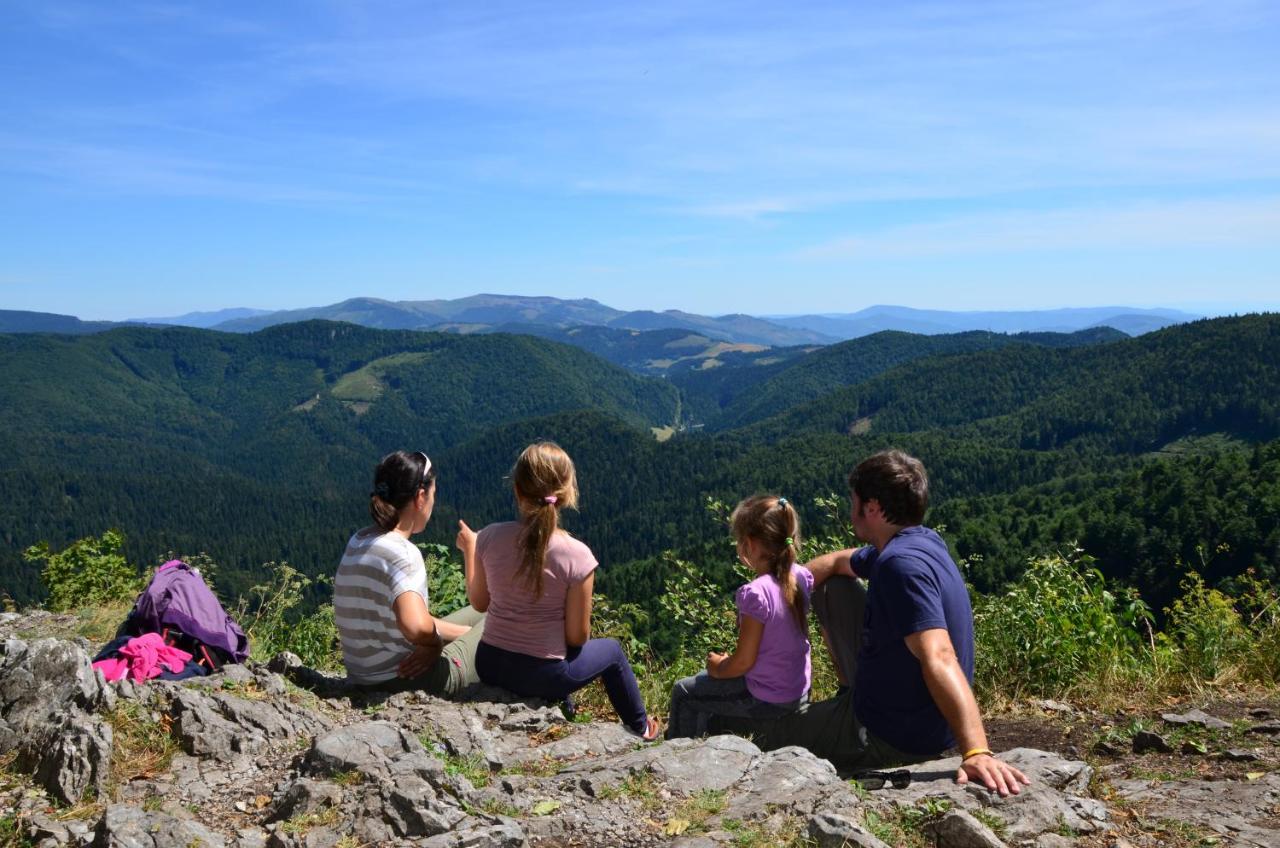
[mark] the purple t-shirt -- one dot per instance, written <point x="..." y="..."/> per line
<point x="517" y="621"/>
<point x="781" y="672"/>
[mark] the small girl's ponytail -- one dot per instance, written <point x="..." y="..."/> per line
<point x="776" y="524"/>
<point x="544" y="481"/>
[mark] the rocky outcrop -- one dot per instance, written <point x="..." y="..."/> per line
<point x="251" y="758"/>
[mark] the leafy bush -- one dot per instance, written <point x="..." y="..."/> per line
<point x="446" y="580"/>
<point x="1057" y="629"/>
<point x="269" y="616"/>
<point x="1206" y="633"/>
<point x="90" y="572"/>
<point x="1260" y="606"/>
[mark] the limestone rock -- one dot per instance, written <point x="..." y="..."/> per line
<point x="829" y="830"/>
<point x="1146" y="741"/>
<point x="1198" y="717"/>
<point x="123" y="826"/>
<point x="221" y="724"/>
<point x="958" y="829"/>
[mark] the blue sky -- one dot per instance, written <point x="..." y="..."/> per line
<point x="157" y="158"/>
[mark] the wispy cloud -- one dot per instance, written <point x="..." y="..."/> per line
<point x="1236" y="223"/>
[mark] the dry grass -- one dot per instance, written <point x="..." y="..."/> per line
<point x="142" y="747"/>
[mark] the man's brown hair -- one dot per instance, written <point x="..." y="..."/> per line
<point x="898" y="481"/>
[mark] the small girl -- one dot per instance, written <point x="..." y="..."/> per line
<point x="535" y="581"/>
<point x="768" y="674"/>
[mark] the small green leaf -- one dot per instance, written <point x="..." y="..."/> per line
<point x="545" y="808"/>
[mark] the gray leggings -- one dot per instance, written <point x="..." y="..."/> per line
<point x="694" y="700"/>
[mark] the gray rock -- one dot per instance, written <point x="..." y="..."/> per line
<point x="123" y="826"/>
<point x="958" y="829"/>
<point x="1267" y="728"/>
<point x="70" y="757"/>
<point x="220" y="724"/>
<point x="806" y="782"/>
<point x="304" y="796"/>
<point x="1052" y="840"/>
<point x="42" y="679"/>
<point x="830" y="830"/>
<point x="1228" y="807"/>
<point x="1239" y="755"/>
<point x="1198" y="717"/>
<point x="503" y="834"/>
<point x="1055" y="706"/>
<point x="462" y="733"/>
<point x="689" y="766"/>
<point x="1041" y="807"/>
<point x="1146" y="741"/>
<point x="48" y="692"/>
<point x="377" y="749"/>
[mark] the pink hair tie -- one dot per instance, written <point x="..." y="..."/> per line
<point x="550" y="499"/>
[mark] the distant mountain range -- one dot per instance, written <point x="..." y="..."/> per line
<point x="931" y="322"/>
<point x="644" y="340"/>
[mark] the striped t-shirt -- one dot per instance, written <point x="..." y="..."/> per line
<point x="376" y="569"/>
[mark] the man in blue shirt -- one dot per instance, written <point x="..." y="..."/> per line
<point x="902" y="644"/>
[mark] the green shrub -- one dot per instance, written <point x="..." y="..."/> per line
<point x="89" y="572"/>
<point x="1058" y="629"/>
<point x="269" y="615"/>
<point x="446" y="580"/>
<point x="1207" y="634"/>
<point x="1260" y="606"/>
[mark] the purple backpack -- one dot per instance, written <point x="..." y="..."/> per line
<point x="178" y="598"/>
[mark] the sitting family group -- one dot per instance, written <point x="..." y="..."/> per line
<point x="895" y="617"/>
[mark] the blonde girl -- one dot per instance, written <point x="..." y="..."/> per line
<point x="768" y="673"/>
<point x="535" y="582"/>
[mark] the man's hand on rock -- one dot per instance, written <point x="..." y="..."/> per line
<point x="993" y="774"/>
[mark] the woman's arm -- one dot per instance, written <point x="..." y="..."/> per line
<point x="577" y="611"/>
<point x="472" y="568"/>
<point x="750" y="632"/>
<point x="415" y="623"/>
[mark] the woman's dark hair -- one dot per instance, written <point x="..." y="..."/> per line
<point x="396" y="481"/>
<point x="545" y="483"/>
<point x="898" y="481"/>
<point x="773" y="522"/>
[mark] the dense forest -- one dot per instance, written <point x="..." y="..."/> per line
<point x="1156" y="454"/>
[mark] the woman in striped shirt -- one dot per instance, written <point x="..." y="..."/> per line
<point x="390" y="641"/>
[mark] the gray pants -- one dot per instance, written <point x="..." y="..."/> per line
<point x="830" y="729"/>
<point x="694" y="700"/>
<point x="456" y="668"/>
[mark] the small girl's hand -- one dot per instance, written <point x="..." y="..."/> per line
<point x="713" y="662"/>
<point x="466" y="540"/>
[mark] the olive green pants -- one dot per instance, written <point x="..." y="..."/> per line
<point x="455" y="670"/>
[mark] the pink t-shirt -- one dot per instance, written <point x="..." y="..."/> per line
<point x="517" y="621"/>
<point x="781" y="672"/>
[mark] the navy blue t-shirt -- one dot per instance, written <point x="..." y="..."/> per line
<point x="913" y="585"/>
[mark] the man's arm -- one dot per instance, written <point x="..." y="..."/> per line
<point x="951" y="692"/>
<point x="830" y="565"/>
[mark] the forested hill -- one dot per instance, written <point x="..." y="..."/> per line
<point x="733" y="396"/>
<point x="1131" y="396"/>
<point x="259" y="447"/>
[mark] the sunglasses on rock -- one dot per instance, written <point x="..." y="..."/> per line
<point x="898" y="779"/>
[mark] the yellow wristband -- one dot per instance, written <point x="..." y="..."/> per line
<point x="973" y="752"/>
